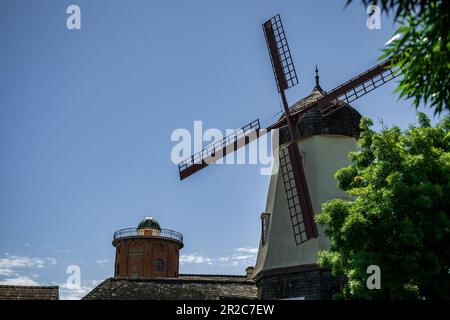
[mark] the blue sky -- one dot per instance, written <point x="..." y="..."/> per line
<point x="86" y="118"/>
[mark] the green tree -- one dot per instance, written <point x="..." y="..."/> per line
<point x="423" y="51"/>
<point x="398" y="214"/>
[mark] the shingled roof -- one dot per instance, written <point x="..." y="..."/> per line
<point x="29" y="292"/>
<point x="344" y="121"/>
<point x="186" y="287"/>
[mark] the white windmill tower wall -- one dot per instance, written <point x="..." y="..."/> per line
<point x="284" y="269"/>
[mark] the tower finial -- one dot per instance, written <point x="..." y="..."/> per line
<point x="317" y="77"/>
<point x="318" y="87"/>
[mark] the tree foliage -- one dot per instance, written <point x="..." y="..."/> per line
<point x="398" y="216"/>
<point x="422" y="52"/>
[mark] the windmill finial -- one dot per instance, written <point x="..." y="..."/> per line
<point x="317" y="77"/>
<point x="318" y="87"/>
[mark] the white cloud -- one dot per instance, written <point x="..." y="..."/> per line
<point x="13" y="267"/>
<point x="239" y="257"/>
<point x="194" y="258"/>
<point x="69" y="292"/>
<point x="11" y="264"/>
<point x="223" y="259"/>
<point x="247" y="250"/>
<point x="242" y="257"/>
<point x="19" y="281"/>
<point x="102" y="262"/>
<point x="6" y="272"/>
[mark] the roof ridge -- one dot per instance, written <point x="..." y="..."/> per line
<point x="19" y="286"/>
<point x="212" y="275"/>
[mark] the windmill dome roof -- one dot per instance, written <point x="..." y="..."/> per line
<point x="149" y="223"/>
<point x="343" y="121"/>
<point x="313" y="96"/>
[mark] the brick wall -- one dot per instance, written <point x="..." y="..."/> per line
<point x="137" y="257"/>
<point x="313" y="285"/>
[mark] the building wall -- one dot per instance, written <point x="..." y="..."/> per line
<point x="315" y="284"/>
<point x="137" y="257"/>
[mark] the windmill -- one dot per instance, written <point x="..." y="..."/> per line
<point x="296" y="189"/>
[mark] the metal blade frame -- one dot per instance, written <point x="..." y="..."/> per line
<point x="241" y="137"/>
<point x="297" y="194"/>
<point x="280" y="54"/>
<point x="356" y="88"/>
<point x="347" y="92"/>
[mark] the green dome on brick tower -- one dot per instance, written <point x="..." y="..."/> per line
<point x="149" y="223"/>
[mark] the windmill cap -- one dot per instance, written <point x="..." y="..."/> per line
<point x="149" y="223"/>
<point x="344" y="121"/>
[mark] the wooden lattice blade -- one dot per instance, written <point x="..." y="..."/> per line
<point x="220" y="149"/>
<point x="356" y="88"/>
<point x="347" y="92"/>
<point x="280" y="55"/>
<point x="297" y="194"/>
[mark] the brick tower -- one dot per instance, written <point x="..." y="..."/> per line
<point x="147" y="251"/>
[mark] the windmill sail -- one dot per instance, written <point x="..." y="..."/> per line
<point x="357" y="87"/>
<point x="280" y="55"/>
<point x="297" y="195"/>
<point x="296" y="187"/>
<point x="238" y="139"/>
<point x="347" y="92"/>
